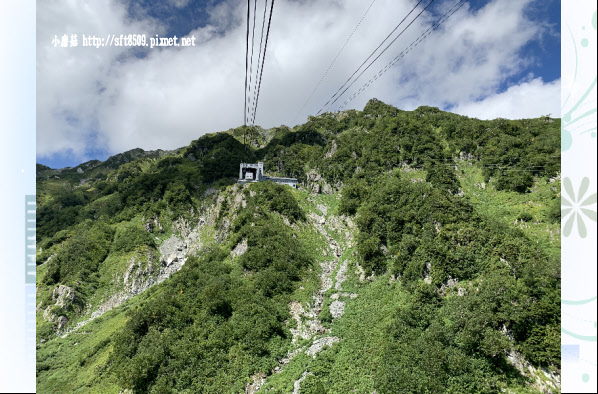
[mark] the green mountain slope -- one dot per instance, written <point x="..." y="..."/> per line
<point x="420" y="254"/>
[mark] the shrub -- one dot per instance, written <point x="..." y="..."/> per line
<point x="130" y="236"/>
<point x="525" y="217"/>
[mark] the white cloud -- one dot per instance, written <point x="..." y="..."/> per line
<point x="70" y="80"/>
<point x="526" y="100"/>
<point x="179" y="3"/>
<point x="468" y="58"/>
<point x="174" y="95"/>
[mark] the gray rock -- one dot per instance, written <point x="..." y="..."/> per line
<point x="427" y="277"/>
<point x="62" y="322"/>
<point x="257" y="381"/>
<point x="171" y="259"/>
<point x="297" y="384"/>
<point x="152" y="224"/>
<point x="337" y="308"/>
<point x="48" y="316"/>
<point x="63" y="296"/>
<point x="319" y="344"/>
<point x="332" y="150"/>
<point x="240" y="249"/>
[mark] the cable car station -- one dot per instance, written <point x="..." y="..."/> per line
<point x="255" y="173"/>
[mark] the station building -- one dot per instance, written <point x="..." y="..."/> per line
<point x="255" y="173"/>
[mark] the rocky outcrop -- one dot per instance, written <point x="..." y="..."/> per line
<point x="542" y="380"/>
<point x="337" y="296"/>
<point x="466" y="156"/>
<point x="183" y="226"/>
<point x="317" y="184"/>
<point x="428" y="273"/>
<point x="257" y="381"/>
<point x="337" y="308"/>
<point x="450" y="284"/>
<point x="63" y="296"/>
<point x="139" y="274"/>
<point x="64" y="299"/>
<point x="173" y="253"/>
<point x="226" y="206"/>
<point x="153" y="224"/>
<point x="311" y="327"/>
<point x="148" y="269"/>
<point x="332" y="151"/>
<point x="297" y="384"/>
<point x="240" y="249"/>
<point x="48" y="315"/>
<point x="319" y="344"/>
<point x="61" y="322"/>
<point x="144" y="271"/>
<point x="341" y="276"/>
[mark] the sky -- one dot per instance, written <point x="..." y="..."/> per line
<point x="498" y="58"/>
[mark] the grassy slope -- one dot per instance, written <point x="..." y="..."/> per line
<point x="350" y="365"/>
<point x="507" y="206"/>
<point x="79" y="362"/>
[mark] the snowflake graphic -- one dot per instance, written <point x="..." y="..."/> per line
<point x="576" y="208"/>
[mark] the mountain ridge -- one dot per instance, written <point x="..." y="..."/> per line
<point x="451" y="221"/>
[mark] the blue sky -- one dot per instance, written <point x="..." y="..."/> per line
<point x="546" y="50"/>
<point x="180" y="18"/>
<point x="491" y="59"/>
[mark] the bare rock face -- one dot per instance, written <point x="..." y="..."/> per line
<point x="174" y="251"/>
<point x="327" y="189"/>
<point x="427" y="275"/>
<point x="297" y="384"/>
<point x="240" y="249"/>
<point x="139" y="275"/>
<point x="172" y="258"/>
<point x="257" y="381"/>
<point x="48" y="315"/>
<point x="319" y="344"/>
<point x="111" y="303"/>
<point x="337" y="296"/>
<point x="317" y="184"/>
<point x="543" y="380"/>
<point x="183" y="226"/>
<point x="466" y="156"/>
<point x="173" y="247"/>
<point x="63" y="296"/>
<point x="145" y="271"/>
<point x="332" y="150"/>
<point x="313" y="176"/>
<point x="337" y="308"/>
<point x="451" y="283"/>
<point x="152" y="225"/>
<point x="61" y="322"/>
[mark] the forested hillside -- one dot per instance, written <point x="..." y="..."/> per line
<point x="420" y="254"/>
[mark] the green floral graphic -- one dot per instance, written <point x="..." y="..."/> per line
<point x="572" y="113"/>
<point x="575" y="208"/>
